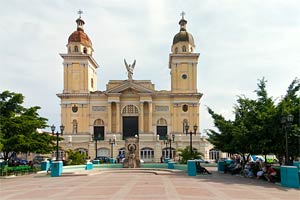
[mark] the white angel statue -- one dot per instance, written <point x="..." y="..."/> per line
<point x="129" y="69"/>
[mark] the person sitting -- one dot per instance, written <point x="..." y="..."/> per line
<point x="201" y="169"/>
<point x="261" y="172"/>
<point x="248" y="170"/>
<point x="271" y="173"/>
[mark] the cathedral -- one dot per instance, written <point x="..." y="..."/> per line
<point x="97" y="123"/>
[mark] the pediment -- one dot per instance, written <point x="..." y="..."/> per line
<point x="130" y="88"/>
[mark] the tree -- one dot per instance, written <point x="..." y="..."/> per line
<point x="18" y="127"/>
<point x="256" y="128"/>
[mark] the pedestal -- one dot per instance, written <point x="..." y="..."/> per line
<point x="56" y="168"/>
<point x="45" y="165"/>
<point x="191" y="168"/>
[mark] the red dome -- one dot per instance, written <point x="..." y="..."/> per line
<point x="80" y="36"/>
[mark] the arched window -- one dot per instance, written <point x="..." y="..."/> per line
<point x="214" y="154"/>
<point x="147" y="154"/>
<point x="82" y="151"/>
<point x="75" y="126"/>
<point x="183" y="48"/>
<point x="166" y="152"/>
<point x="85" y="50"/>
<point x="98" y="129"/>
<point x="76" y="48"/>
<point x="184" y="123"/>
<point x="69" y="49"/>
<point x="176" y="50"/>
<point x="130" y="109"/>
<point x="92" y="82"/>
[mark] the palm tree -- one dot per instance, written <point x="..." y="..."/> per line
<point x="186" y="155"/>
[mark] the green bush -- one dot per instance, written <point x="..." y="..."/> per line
<point x="75" y="158"/>
<point x="186" y="155"/>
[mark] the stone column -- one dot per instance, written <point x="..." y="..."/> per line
<point x="141" y="117"/>
<point x="118" y="117"/>
<point x="109" y="117"/>
<point x="150" y="116"/>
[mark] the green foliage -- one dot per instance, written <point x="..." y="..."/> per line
<point x="186" y="155"/>
<point x="75" y="158"/>
<point x="18" y="127"/>
<point x="256" y="128"/>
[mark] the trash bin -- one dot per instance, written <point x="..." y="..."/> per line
<point x="289" y="176"/>
<point x="112" y="160"/>
<point x="166" y="160"/>
<point x="191" y="168"/>
<point x="89" y="166"/>
<point x="56" y="168"/>
<point x="171" y="164"/>
<point x="221" y="166"/>
<point x="45" y="165"/>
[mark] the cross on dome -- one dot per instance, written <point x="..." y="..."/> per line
<point x="182" y="14"/>
<point x="79" y="12"/>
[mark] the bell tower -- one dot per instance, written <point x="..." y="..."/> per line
<point x="183" y="61"/>
<point x="79" y="65"/>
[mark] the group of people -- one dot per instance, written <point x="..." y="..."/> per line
<point x="257" y="169"/>
<point x="260" y="170"/>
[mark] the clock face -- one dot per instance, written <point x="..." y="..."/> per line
<point x="184" y="76"/>
<point x="75" y="108"/>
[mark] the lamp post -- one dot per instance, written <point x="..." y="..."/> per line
<point x="286" y="122"/>
<point x="61" y="132"/>
<point x="169" y="141"/>
<point x="187" y="127"/>
<point x="96" y="148"/>
<point x="112" y="142"/>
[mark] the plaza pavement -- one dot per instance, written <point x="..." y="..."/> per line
<point x="141" y="184"/>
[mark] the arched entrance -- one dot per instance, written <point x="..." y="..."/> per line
<point x="130" y="115"/>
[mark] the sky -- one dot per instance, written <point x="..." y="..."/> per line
<point x="239" y="43"/>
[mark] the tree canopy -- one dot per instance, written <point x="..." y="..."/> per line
<point x="256" y="128"/>
<point x="18" y="127"/>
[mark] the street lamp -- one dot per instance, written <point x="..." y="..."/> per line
<point x="169" y="141"/>
<point x="112" y="142"/>
<point x="61" y="132"/>
<point x="187" y="127"/>
<point x="286" y="122"/>
<point x="95" y="138"/>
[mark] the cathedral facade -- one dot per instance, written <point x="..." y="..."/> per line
<point x="98" y="122"/>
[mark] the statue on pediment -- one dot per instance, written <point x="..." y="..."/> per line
<point x="129" y="68"/>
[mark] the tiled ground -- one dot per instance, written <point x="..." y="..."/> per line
<point x="135" y="186"/>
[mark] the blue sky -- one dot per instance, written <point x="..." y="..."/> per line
<point x="239" y="42"/>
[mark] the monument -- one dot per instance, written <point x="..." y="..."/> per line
<point x="132" y="158"/>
